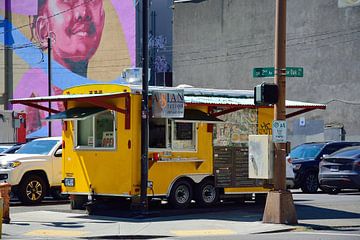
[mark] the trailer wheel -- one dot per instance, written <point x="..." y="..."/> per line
<point x="206" y="193"/>
<point x="32" y="189"/>
<point x="181" y="194"/>
<point x="78" y="202"/>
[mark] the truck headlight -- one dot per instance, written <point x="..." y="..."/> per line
<point x="8" y="165"/>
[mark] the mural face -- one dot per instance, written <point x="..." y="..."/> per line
<point x="76" y="33"/>
<point x="91" y="41"/>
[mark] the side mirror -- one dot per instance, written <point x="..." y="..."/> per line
<point x="58" y="153"/>
<point x="324" y="156"/>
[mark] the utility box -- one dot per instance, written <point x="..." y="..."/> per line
<point x="261" y="157"/>
<point x="12" y="127"/>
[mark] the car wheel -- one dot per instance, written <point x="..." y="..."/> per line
<point x="77" y="202"/>
<point x="206" y="193"/>
<point x="32" y="189"/>
<point x="310" y="183"/>
<point x="181" y="194"/>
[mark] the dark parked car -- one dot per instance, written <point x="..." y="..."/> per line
<point x="340" y="170"/>
<point x="306" y="158"/>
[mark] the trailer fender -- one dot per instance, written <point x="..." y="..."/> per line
<point x="196" y="178"/>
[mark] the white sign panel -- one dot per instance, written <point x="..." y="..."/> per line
<point x="279" y="131"/>
<point x="168" y="103"/>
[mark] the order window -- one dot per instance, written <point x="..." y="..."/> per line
<point x="97" y="131"/>
<point x="167" y="134"/>
<point x="184" y="135"/>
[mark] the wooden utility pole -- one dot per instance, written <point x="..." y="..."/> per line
<point x="279" y="203"/>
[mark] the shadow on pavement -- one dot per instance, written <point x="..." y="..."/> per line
<point x="305" y="212"/>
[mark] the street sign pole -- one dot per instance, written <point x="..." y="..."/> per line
<point x="279" y="206"/>
<point x="144" y="110"/>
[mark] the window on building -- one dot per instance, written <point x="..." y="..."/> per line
<point x="97" y="131"/>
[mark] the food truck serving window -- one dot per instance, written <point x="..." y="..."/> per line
<point x="172" y="135"/>
<point x="97" y="131"/>
<point x="184" y="135"/>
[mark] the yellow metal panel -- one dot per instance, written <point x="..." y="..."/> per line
<point x="164" y="173"/>
<point x="107" y="171"/>
<point x="245" y="190"/>
<point x="265" y="118"/>
<point x="97" y="88"/>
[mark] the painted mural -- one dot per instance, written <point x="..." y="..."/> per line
<point x="236" y="128"/>
<point x="92" y="41"/>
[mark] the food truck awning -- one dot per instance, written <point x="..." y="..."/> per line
<point x="99" y="100"/>
<point x="96" y="100"/>
<point x="193" y="115"/>
<point x="75" y="114"/>
<point x="231" y="104"/>
<point x="220" y="100"/>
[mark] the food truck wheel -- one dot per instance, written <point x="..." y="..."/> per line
<point x="181" y="194"/>
<point x="32" y="189"/>
<point x="78" y="202"/>
<point x="206" y="193"/>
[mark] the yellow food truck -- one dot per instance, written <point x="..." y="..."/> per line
<point x="201" y="156"/>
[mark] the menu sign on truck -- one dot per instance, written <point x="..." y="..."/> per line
<point x="168" y="103"/>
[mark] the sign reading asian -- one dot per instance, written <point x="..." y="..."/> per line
<point x="168" y="103"/>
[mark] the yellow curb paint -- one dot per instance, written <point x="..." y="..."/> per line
<point x="208" y="232"/>
<point x="58" y="233"/>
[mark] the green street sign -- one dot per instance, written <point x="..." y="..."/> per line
<point x="294" y="72"/>
<point x="270" y="72"/>
<point x="263" y="72"/>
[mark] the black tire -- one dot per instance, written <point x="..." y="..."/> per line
<point x="57" y="195"/>
<point x="260" y="198"/>
<point x="310" y="183"/>
<point x="206" y="193"/>
<point x="331" y="190"/>
<point x="32" y="189"/>
<point x="181" y="194"/>
<point x="77" y="202"/>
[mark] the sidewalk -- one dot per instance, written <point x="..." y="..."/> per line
<point x="48" y="224"/>
<point x="57" y="221"/>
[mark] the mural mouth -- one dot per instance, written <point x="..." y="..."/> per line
<point x="83" y="30"/>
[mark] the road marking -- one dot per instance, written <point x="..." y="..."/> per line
<point x="205" y="232"/>
<point x="58" y="233"/>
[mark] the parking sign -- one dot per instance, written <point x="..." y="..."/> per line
<point x="279" y="131"/>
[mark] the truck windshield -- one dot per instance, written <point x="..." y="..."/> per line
<point x="306" y="151"/>
<point x="42" y="147"/>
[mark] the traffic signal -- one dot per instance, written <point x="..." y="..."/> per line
<point x="266" y="94"/>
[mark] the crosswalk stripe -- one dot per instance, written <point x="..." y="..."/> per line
<point x="59" y="233"/>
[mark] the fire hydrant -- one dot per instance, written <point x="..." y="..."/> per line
<point x="5" y="189"/>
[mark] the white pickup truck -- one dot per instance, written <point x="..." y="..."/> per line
<point x="34" y="170"/>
